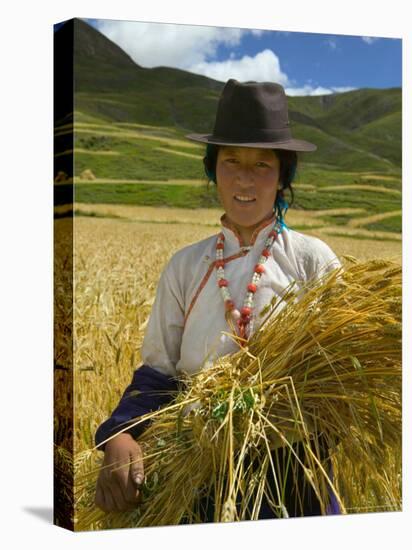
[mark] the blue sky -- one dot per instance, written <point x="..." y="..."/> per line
<point x="304" y="63"/>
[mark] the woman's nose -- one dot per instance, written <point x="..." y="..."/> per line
<point x="245" y="174"/>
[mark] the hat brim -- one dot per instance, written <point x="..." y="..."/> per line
<point x="289" y="145"/>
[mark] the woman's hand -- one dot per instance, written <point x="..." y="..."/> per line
<point x="121" y="475"/>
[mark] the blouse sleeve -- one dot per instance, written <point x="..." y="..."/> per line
<point x="163" y="336"/>
<point x="319" y="259"/>
<point x="148" y="391"/>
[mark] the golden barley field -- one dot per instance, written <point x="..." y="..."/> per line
<point x="119" y="253"/>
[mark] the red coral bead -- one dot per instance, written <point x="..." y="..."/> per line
<point x="222" y="236"/>
<point x="259" y="268"/>
<point x="246" y="311"/>
<point x="222" y="282"/>
<point x="266" y="253"/>
<point x="273" y="233"/>
<point x="220" y="246"/>
<point x="220" y="263"/>
<point x="251" y="287"/>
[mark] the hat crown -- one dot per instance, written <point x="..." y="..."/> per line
<point x="251" y="106"/>
<point x="253" y="114"/>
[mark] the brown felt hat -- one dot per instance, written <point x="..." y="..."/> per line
<point x="253" y="114"/>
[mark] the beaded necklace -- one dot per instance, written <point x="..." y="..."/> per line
<point x="243" y="317"/>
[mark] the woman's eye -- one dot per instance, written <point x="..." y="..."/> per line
<point x="260" y="164"/>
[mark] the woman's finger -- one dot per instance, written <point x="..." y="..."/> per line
<point x="109" y="500"/>
<point x="132" y="493"/>
<point x="99" y="499"/>
<point x="136" y="466"/>
<point x="120" y="471"/>
<point x="118" y="490"/>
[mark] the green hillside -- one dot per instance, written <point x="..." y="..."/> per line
<point x="374" y="145"/>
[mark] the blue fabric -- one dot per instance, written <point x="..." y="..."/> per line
<point x="333" y="508"/>
<point x="154" y="391"/>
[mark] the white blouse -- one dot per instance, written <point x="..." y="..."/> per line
<point x="186" y="327"/>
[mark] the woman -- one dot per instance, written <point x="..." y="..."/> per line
<point x="222" y="282"/>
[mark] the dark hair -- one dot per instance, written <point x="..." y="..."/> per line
<point x="288" y="165"/>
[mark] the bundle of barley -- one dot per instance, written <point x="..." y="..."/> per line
<point x="323" y="371"/>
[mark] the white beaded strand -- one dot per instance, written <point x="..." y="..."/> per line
<point x="243" y="317"/>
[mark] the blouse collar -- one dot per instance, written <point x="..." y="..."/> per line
<point x="259" y="234"/>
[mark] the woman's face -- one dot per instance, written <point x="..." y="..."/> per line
<point x="247" y="183"/>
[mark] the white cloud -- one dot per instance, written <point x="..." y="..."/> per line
<point x="331" y="43"/>
<point x="172" y="45"/>
<point x="257" y="32"/>
<point x="308" y="89"/>
<point x="264" y="66"/>
<point x="188" y="47"/>
<point x="369" y="39"/>
<point x="340" y="89"/>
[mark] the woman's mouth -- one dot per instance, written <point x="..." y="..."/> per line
<point x="244" y="199"/>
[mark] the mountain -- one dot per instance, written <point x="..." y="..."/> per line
<point x="100" y="65"/>
<point x="357" y="130"/>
